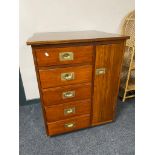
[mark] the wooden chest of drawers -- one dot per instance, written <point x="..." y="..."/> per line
<point x="78" y="76"/>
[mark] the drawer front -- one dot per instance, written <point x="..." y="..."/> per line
<point x="65" y="76"/>
<point x="65" y="94"/>
<point x="67" y="110"/>
<point x="68" y="125"/>
<point x="67" y="55"/>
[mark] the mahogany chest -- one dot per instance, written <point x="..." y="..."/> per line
<point x="78" y="76"/>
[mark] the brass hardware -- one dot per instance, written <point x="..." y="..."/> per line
<point x="70" y="125"/>
<point x="46" y="54"/>
<point x="67" y="76"/>
<point x="69" y="111"/>
<point x="63" y="56"/>
<point x="68" y="94"/>
<point x="100" y="71"/>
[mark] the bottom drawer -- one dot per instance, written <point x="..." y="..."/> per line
<point x="68" y="125"/>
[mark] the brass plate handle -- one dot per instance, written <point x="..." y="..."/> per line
<point x="100" y="71"/>
<point x="64" y="56"/>
<point x="68" y="94"/>
<point x="69" y="111"/>
<point x="67" y="76"/>
<point x="69" y="125"/>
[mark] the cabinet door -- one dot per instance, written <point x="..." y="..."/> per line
<point x="106" y="81"/>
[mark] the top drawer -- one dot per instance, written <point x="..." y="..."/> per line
<point x="47" y="56"/>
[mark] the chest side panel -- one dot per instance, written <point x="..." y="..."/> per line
<point x="106" y="83"/>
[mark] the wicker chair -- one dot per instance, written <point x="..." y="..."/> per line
<point x="127" y="83"/>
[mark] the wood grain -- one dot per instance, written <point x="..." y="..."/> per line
<point x="39" y="87"/>
<point x="73" y="37"/>
<point x="59" y="126"/>
<point x="55" y="113"/>
<point x="52" y="77"/>
<point x="95" y="95"/>
<point x="106" y="85"/>
<point x="53" y="96"/>
<point x="82" y="54"/>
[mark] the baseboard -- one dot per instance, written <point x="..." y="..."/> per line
<point x="22" y="97"/>
<point x="30" y="102"/>
<point x="33" y="101"/>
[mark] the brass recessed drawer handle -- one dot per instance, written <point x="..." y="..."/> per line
<point x="68" y="94"/>
<point x="69" y="111"/>
<point x="63" y="56"/>
<point x="100" y="71"/>
<point x="69" y="125"/>
<point x="67" y="76"/>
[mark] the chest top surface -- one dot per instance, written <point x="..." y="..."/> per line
<point x="72" y="37"/>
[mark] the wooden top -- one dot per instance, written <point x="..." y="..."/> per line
<point x="72" y="37"/>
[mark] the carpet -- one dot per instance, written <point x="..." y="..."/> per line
<point x="117" y="138"/>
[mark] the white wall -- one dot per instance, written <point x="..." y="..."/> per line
<point x="64" y="15"/>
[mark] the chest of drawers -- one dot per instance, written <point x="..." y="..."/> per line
<point x="78" y="77"/>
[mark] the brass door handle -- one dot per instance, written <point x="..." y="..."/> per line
<point x="70" y="125"/>
<point x="68" y="94"/>
<point x="69" y="111"/>
<point x="100" y="71"/>
<point x="67" y="76"/>
<point x="63" y="56"/>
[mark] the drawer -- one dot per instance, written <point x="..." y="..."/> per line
<point x="67" y="110"/>
<point x="68" y="125"/>
<point x="48" y="56"/>
<point x="65" y="76"/>
<point x="65" y="94"/>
